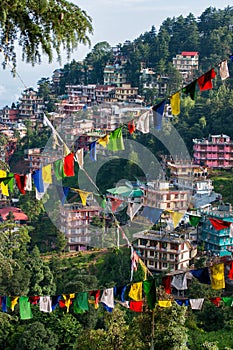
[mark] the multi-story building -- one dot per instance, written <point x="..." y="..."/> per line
<point x="115" y="75"/>
<point x="8" y="115"/>
<point x="75" y="223"/>
<point x="187" y="64"/>
<point x="163" y="251"/>
<point x="126" y="93"/>
<point x="218" y="242"/>
<point x="31" y="107"/>
<point x="214" y="152"/>
<point x="159" y="194"/>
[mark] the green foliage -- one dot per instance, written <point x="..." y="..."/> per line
<point x="41" y="27"/>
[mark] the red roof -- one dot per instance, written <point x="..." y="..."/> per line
<point x="189" y="53"/>
<point x="17" y="212"/>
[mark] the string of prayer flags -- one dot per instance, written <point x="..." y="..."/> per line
<point x="135" y="292"/>
<point x="79" y="158"/>
<point x="190" y="89"/>
<point x="116" y="142"/>
<point x="103" y="141"/>
<point x="158" y="111"/>
<point x="149" y="288"/>
<point x="47" y="173"/>
<point x="223" y="70"/>
<point x="68" y="163"/>
<point x="219" y="224"/>
<point x="205" y="80"/>
<point x="131" y="127"/>
<point x="143" y="123"/>
<point x="25" y="308"/>
<point x="217" y="276"/>
<point x="92" y="149"/>
<point x="175" y="103"/>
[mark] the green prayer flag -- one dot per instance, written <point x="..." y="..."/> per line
<point x="194" y="220"/>
<point x="10" y="180"/>
<point x="149" y="288"/>
<point x="81" y="302"/>
<point x="25" y="308"/>
<point x="116" y="142"/>
<point x="228" y="301"/>
<point x="190" y="89"/>
<point x="58" y="168"/>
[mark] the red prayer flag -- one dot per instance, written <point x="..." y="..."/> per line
<point x="136" y="306"/>
<point x="205" y="80"/>
<point x="216" y="301"/>
<point x="21" y="182"/>
<point x="115" y="202"/>
<point x="219" y="224"/>
<point x="34" y="299"/>
<point x="230" y="273"/>
<point x="131" y="127"/>
<point x="69" y="165"/>
<point x="166" y="282"/>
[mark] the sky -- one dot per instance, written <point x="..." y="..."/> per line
<point x="114" y="21"/>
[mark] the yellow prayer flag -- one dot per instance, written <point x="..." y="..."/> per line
<point x="176" y="217"/>
<point x="175" y="103"/>
<point x="135" y="292"/>
<point x="47" y="173"/>
<point x="83" y="195"/>
<point x="217" y="276"/>
<point x="165" y="303"/>
<point x="66" y="150"/>
<point x="14" y="301"/>
<point x="103" y="141"/>
<point x="67" y="298"/>
<point x="4" y="187"/>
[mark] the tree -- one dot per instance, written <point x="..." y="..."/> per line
<point x="41" y="27"/>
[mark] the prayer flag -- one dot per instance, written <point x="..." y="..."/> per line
<point x="116" y="142"/>
<point x="223" y="70"/>
<point x="81" y="302"/>
<point x="21" y="182"/>
<point x="179" y="281"/>
<point x="131" y="127"/>
<point x="47" y="173"/>
<point x="25" y="308"/>
<point x="28" y="185"/>
<point x="136" y="306"/>
<point x="176" y="217"/>
<point x="194" y="220"/>
<point x="45" y="304"/>
<point x="96" y="295"/>
<point x="175" y="103"/>
<point x="107" y="298"/>
<point x="79" y="157"/>
<point x="153" y="214"/>
<point x="103" y="141"/>
<point x="165" y="303"/>
<point x="38" y="181"/>
<point x="143" y="123"/>
<point x="68" y="163"/>
<point x="58" y="169"/>
<point x="120" y="291"/>
<point x="166" y="282"/>
<point x="205" y="80"/>
<point x="202" y="275"/>
<point x="10" y="180"/>
<point x="219" y="224"/>
<point x="135" y="292"/>
<point x="149" y="288"/>
<point x="158" y="111"/>
<point x="190" y="89"/>
<point x="196" y="304"/>
<point x="92" y="149"/>
<point x="83" y="195"/>
<point x="68" y="300"/>
<point x="4" y="187"/>
<point x="217" y="276"/>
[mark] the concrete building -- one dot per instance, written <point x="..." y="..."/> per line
<point x="75" y="223"/>
<point x="31" y="107"/>
<point x="8" y="115"/>
<point x="214" y="152"/>
<point x="217" y="242"/>
<point x="163" y="251"/>
<point x="187" y="64"/>
<point x="126" y="93"/>
<point x="115" y="75"/>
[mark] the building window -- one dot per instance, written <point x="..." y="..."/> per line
<point x="172" y="256"/>
<point x="163" y="245"/>
<point x="152" y="253"/>
<point x="164" y="265"/>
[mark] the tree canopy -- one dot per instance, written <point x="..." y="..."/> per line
<point x="41" y="27"/>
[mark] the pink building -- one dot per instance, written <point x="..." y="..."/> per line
<point x="214" y="152"/>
